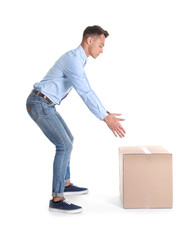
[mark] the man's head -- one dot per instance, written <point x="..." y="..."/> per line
<point x="93" y="40"/>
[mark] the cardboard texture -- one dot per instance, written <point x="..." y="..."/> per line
<point x="146" y="177"/>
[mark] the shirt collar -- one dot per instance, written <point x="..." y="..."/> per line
<point x="82" y="53"/>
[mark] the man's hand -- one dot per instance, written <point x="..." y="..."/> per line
<point x="114" y="124"/>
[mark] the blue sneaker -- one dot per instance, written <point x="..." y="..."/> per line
<point x="74" y="190"/>
<point x="64" y="207"/>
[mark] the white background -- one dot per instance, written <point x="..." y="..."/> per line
<point x="144" y="74"/>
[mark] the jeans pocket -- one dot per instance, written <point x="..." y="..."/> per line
<point x="47" y="108"/>
<point x="32" y="111"/>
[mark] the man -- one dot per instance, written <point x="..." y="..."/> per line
<point x="67" y="73"/>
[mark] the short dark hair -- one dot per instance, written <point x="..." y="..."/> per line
<point x="93" y="31"/>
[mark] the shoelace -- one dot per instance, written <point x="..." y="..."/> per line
<point x="67" y="201"/>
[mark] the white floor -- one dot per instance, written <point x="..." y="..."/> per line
<point x="102" y="217"/>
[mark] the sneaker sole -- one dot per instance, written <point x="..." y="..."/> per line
<point x="76" y="193"/>
<point x="65" y="211"/>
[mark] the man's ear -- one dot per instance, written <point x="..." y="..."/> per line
<point x="89" y="40"/>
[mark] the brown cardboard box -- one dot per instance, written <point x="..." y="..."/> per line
<point x="145" y="177"/>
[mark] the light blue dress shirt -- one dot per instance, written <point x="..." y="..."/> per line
<point x="66" y="73"/>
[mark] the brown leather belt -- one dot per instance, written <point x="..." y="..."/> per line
<point x="42" y="95"/>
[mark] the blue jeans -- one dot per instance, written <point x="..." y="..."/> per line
<point x="55" y="129"/>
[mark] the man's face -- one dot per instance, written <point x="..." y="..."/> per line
<point x="96" y="45"/>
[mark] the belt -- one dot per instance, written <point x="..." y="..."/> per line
<point x="42" y="95"/>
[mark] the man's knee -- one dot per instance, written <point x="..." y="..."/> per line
<point x="67" y="146"/>
<point x="72" y="139"/>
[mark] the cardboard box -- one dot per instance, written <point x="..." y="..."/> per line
<point x="146" y="177"/>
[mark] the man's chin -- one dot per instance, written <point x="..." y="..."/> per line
<point x="94" y="55"/>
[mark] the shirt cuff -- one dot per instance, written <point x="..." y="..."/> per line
<point x="101" y="116"/>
